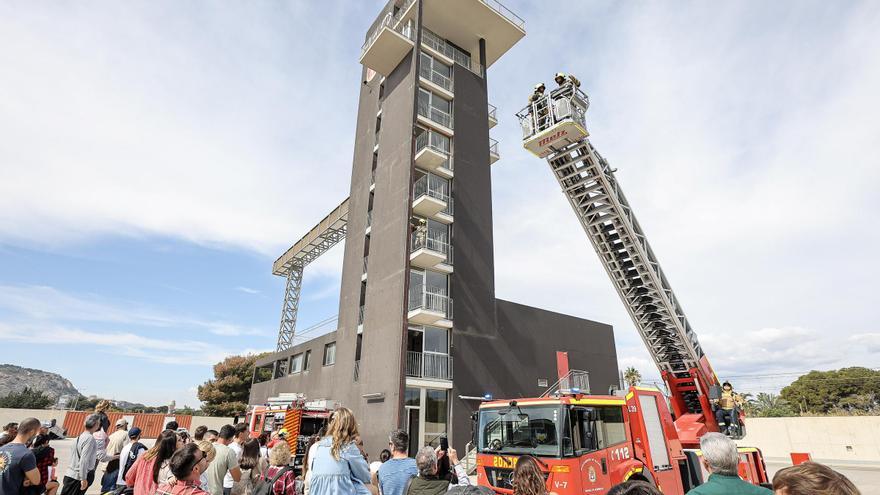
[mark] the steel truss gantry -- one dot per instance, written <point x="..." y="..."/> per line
<point x="328" y="233"/>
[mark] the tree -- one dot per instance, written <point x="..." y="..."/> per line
<point x="27" y="398"/>
<point x="824" y="391"/>
<point x="632" y="377"/>
<point x="228" y="393"/>
<point x="771" y="406"/>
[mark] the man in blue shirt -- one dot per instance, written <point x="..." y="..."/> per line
<point x="395" y="472"/>
<point x="17" y="462"/>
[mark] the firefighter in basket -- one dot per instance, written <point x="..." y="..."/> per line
<point x="727" y="409"/>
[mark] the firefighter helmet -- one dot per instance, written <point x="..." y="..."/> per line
<point x="539" y="87"/>
<point x="560" y="75"/>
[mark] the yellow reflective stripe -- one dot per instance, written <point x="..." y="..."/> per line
<point x="632" y="472"/>
<point x="630" y="396"/>
<point x="599" y="402"/>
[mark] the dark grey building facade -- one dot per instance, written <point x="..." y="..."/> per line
<point x="420" y="332"/>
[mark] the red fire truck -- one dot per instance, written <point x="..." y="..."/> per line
<point x="588" y="443"/>
<point x="301" y="418"/>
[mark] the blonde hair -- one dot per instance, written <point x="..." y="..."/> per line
<point x="280" y="454"/>
<point x="812" y="478"/>
<point x="207" y="448"/>
<point x="343" y="430"/>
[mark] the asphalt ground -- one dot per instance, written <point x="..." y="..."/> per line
<point x="866" y="478"/>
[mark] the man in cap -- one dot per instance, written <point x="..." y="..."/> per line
<point x="726" y="409"/>
<point x="115" y="443"/>
<point x="130" y="453"/>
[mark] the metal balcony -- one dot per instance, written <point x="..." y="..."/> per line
<point x="493" y="151"/>
<point x="432" y="153"/>
<point x="429" y="306"/>
<point x="493" y="116"/>
<point x="429" y="248"/>
<point x="430" y="195"/>
<point x="434" y="117"/>
<point x="443" y="50"/>
<point x="446" y="215"/>
<point x="357" y="370"/>
<point x="428" y="365"/>
<point x="361" y="315"/>
<point x="436" y="81"/>
<point x="387" y="44"/>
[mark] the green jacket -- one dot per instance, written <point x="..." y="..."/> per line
<point x="720" y="484"/>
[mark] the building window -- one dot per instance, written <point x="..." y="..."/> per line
<point x="307" y="360"/>
<point x="412" y="397"/>
<point x="330" y="354"/>
<point x="436" y="410"/>
<point x="296" y="363"/>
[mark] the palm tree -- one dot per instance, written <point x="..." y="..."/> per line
<point x="632" y="377"/>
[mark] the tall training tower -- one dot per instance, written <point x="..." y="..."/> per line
<point x="420" y="333"/>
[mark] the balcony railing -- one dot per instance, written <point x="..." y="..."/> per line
<point x="434" y="141"/>
<point x="433" y="240"/>
<point x="493" y="112"/>
<point x="506" y="13"/>
<point x="435" y="77"/>
<point x="433" y="186"/>
<point x="392" y="22"/>
<point x="361" y="315"/>
<point x="357" y="370"/>
<point x="439" y="45"/>
<point x="366" y="258"/>
<point x="430" y="299"/>
<point x="434" y="114"/>
<point x="369" y="218"/>
<point x="428" y="365"/>
<point x="493" y="147"/>
<point x="372" y="176"/>
<point x="449" y="210"/>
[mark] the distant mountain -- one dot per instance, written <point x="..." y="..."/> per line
<point x="14" y="378"/>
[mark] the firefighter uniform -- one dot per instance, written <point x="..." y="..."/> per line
<point x="726" y="414"/>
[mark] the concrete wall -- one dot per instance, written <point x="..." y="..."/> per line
<point x="318" y="380"/>
<point x="16" y="415"/>
<point x="852" y="440"/>
<point x="508" y="361"/>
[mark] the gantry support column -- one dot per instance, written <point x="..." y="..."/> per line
<point x="289" y="308"/>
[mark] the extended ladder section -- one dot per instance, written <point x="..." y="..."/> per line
<point x="554" y="128"/>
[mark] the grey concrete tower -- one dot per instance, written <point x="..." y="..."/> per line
<point x="420" y="331"/>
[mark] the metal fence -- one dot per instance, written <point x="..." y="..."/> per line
<point x="430" y="299"/>
<point x="434" y="114"/>
<point x="435" y="77"/>
<point x="433" y="186"/>
<point x="392" y="22"/>
<point x="439" y="45"/>
<point x="493" y="112"/>
<point x="428" y="365"/>
<point x="431" y="239"/>
<point x="493" y="147"/>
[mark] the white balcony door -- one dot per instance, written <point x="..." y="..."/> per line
<point x="432" y="408"/>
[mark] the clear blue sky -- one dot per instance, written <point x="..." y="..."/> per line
<point x="157" y="157"/>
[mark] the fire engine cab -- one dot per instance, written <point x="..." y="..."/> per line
<point x="301" y="418"/>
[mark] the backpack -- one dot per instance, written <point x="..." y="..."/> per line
<point x="264" y="487"/>
<point x="132" y="456"/>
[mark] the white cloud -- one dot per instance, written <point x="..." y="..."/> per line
<point x="745" y="160"/>
<point x="164" y="351"/>
<point x="247" y="290"/>
<point x="48" y="303"/>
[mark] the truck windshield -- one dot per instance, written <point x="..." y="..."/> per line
<point x="520" y="430"/>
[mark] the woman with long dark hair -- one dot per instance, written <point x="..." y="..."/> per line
<point x="151" y="469"/>
<point x="528" y="479"/>
<point x="252" y="464"/>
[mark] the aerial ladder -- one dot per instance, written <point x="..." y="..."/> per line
<point x="554" y="128"/>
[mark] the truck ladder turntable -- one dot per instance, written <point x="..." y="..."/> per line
<point x="554" y="128"/>
<point x="328" y="233"/>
